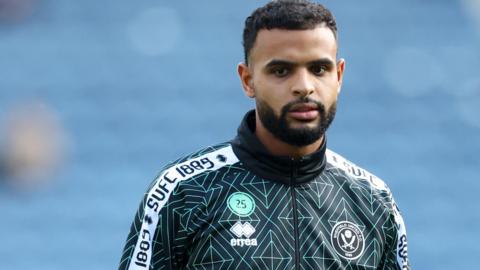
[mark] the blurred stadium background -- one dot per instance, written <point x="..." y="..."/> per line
<point x="96" y="95"/>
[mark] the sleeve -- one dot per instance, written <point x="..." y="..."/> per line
<point x="171" y="213"/>
<point x="396" y="255"/>
<point x="156" y="238"/>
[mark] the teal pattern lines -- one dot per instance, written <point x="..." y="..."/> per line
<point x="270" y="220"/>
<point x="231" y="219"/>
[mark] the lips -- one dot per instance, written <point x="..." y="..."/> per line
<point x="304" y="111"/>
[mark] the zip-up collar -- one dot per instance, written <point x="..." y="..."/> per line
<point x="257" y="158"/>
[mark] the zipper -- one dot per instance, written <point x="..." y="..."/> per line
<point x="295" y="216"/>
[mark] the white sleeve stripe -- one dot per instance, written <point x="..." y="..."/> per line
<point x="160" y="192"/>
<point x="401" y="248"/>
<point x="353" y="170"/>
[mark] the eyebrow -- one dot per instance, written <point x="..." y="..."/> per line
<point x="278" y="62"/>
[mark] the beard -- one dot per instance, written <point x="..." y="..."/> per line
<point x="280" y="128"/>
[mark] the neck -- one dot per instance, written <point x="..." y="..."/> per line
<point x="280" y="148"/>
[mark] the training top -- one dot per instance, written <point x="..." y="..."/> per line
<point x="235" y="206"/>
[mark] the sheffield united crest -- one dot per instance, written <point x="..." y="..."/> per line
<point x="348" y="240"/>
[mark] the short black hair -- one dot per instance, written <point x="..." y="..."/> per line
<point x="285" y="14"/>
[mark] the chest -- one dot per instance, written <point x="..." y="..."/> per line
<point x="252" y="223"/>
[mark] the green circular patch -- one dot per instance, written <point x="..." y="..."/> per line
<point x="240" y="203"/>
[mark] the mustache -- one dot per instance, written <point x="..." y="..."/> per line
<point x="288" y="107"/>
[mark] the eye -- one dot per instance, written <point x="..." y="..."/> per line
<point x="318" y="70"/>
<point x="280" y="71"/>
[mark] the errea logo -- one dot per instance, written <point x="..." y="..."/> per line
<point x="242" y="205"/>
<point x="246" y="229"/>
<point x="240" y="230"/>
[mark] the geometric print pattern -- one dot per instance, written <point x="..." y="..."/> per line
<point x="194" y="227"/>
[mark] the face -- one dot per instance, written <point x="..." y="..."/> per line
<point x="295" y="79"/>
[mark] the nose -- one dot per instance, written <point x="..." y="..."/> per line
<point x="303" y="84"/>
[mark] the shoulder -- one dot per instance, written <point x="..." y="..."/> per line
<point x="371" y="185"/>
<point x="184" y="172"/>
<point x="340" y="165"/>
<point x="208" y="159"/>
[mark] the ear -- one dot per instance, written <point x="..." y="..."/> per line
<point x="340" y="70"/>
<point x="246" y="78"/>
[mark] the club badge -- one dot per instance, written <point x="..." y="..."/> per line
<point x="347" y="240"/>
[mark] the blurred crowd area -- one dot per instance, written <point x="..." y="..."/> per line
<point x="97" y="95"/>
<point x="32" y="146"/>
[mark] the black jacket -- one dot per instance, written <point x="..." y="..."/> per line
<point x="235" y="206"/>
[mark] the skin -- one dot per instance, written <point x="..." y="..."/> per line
<point x="285" y="65"/>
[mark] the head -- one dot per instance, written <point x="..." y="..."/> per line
<point x="291" y="69"/>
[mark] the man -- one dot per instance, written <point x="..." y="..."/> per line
<point x="274" y="197"/>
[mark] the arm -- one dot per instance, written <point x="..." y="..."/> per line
<point x="154" y="241"/>
<point x="396" y="255"/>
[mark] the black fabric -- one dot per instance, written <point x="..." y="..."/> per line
<point x="283" y="169"/>
<point x="318" y="212"/>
